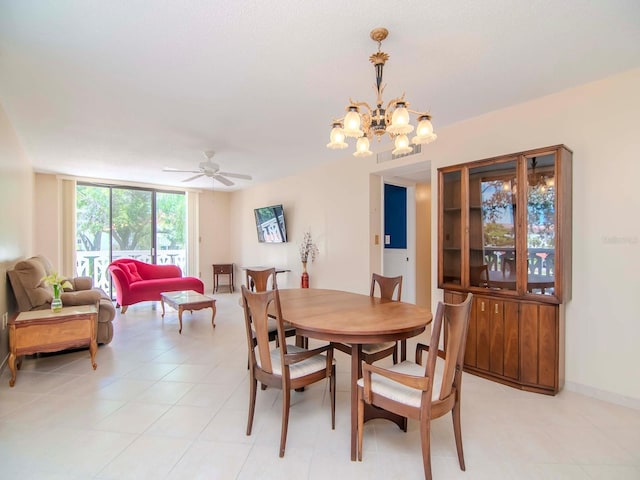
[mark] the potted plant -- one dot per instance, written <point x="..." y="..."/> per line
<point x="58" y="283"/>
<point x="308" y="249"/>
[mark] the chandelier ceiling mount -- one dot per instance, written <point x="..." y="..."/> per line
<point x="363" y="122"/>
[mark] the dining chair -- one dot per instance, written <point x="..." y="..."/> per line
<point x="423" y="393"/>
<point x="259" y="281"/>
<point x="372" y="352"/>
<point x="287" y="366"/>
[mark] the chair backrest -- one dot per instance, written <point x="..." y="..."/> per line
<point x="479" y="276"/>
<point x="454" y="320"/>
<point x="258" y="280"/>
<point x="258" y="308"/>
<point x="387" y="286"/>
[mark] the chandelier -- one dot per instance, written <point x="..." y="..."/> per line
<point x="363" y="122"/>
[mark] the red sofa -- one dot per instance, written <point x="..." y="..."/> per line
<point x="137" y="281"/>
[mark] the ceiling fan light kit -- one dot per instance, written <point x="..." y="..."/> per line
<point x="210" y="169"/>
<point x="363" y="122"/>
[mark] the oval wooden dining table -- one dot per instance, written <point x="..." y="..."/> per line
<point x="353" y="319"/>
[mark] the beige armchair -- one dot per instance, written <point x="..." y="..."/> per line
<point x="31" y="293"/>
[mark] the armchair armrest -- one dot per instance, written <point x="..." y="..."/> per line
<point x="82" y="283"/>
<point x="412" y="381"/>
<point x="421" y="347"/>
<point x="82" y="297"/>
<point x="291" y="358"/>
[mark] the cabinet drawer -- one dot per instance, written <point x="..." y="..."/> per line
<point x="222" y="269"/>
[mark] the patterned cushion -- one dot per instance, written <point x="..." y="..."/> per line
<point x="300" y="369"/>
<point x="401" y="393"/>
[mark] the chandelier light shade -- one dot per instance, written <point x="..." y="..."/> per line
<point x="363" y="122"/>
<point x="336" y="138"/>
<point x="362" y="148"/>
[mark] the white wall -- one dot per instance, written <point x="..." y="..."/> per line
<point x="597" y="121"/>
<point x="16" y="216"/>
<point x="215" y="240"/>
<point x="333" y="203"/>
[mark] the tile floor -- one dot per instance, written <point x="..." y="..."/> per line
<point x="164" y="405"/>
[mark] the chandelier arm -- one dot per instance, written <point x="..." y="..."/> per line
<point x="395" y="101"/>
<point x="360" y="104"/>
<point x="420" y="114"/>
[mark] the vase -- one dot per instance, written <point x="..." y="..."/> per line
<point x="56" y="303"/>
<point x="304" y="281"/>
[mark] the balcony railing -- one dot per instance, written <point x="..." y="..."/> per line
<point x="95" y="264"/>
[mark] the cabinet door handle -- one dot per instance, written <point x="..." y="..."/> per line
<point x="482" y="306"/>
<point x="496" y="308"/>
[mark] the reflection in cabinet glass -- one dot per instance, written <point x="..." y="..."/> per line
<point x="505" y="235"/>
<point x="492" y="232"/>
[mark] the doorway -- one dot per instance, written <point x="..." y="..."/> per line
<point x="417" y="285"/>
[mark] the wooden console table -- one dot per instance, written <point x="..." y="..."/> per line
<point x="222" y="269"/>
<point x="45" y="331"/>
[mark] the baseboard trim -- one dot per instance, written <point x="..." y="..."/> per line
<point x="603" y="395"/>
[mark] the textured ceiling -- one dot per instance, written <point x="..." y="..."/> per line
<point x="121" y="89"/>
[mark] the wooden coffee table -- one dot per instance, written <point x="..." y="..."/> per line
<point x="188" y="300"/>
<point x="44" y="331"/>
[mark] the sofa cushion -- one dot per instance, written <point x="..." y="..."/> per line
<point x="131" y="271"/>
<point x="30" y="274"/>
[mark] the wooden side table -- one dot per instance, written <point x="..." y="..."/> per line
<point x="44" y="331"/>
<point x="222" y="269"/>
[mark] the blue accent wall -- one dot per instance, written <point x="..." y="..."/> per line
<point x="395" y="216"/>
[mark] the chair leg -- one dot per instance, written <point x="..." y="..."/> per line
<point x="286" y="400"/>
<point x="124" y="309"/>
<point x="395" y="354"/>
<point x="252" y="403"/>
<point x="425" y="440"/>
<point x="360" y="422"/>
<point x="332" y="389"/>
<point x="457" y="432"/>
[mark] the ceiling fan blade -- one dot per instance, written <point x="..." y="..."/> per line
<point x="169" y="169"/>
<point x="223" y="180"/>
<point x="236" y="175"/>
<point x="193" y="178"/>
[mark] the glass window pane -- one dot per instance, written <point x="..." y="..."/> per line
<point x="492" y="232"/>
<point x="541" y="224"/>
<point x="92" y="234"/>
<point x="451" y="228"/>
<point x="171" y="229"/>
<point x="131" y="224"/>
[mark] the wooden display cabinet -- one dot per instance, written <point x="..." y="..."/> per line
<point x="505" y="235"/>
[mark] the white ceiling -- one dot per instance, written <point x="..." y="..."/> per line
<point x="120" y="89"/>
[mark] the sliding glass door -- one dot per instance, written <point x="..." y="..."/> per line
<point x="114" y="222"/>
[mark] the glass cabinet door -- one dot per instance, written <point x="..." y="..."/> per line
<point x="541" y="224"/>
<point x="492" y="225"/>
<point x="451" y="230"/>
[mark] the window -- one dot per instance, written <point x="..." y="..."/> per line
<point x="114" y="222"/>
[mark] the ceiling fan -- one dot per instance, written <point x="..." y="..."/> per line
<point x="210" y="169"/>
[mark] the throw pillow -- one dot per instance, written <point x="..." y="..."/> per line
<point x="134" y="275"/>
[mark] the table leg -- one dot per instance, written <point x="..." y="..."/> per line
<point x="180" y="319"/>
<point x="356" y="373"/>
<point x="12" y="367"/>
<point x="162" y="302"/>
<point x="93" y="348"/>
<point x="213" y="314"/>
